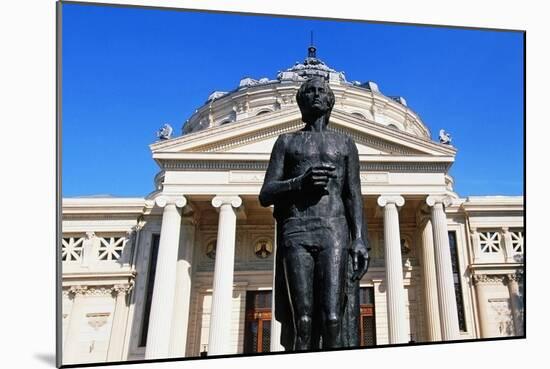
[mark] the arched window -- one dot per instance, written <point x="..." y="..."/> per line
<point x="263" y="112"/>
<point x="358" y="115"/>
<point x="393" y="126"/>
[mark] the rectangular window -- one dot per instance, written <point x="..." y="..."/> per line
<point x="457" y="281"/>
<point x="150" y="283"/>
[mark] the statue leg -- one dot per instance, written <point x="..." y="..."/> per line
<point x="330" y="282"/>
<point x="298" y="267"/>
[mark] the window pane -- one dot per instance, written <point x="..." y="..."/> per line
<point x="150" y="284"/>
<point x="457" y="282"/>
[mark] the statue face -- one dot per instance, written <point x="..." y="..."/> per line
<point x="316" y="98"/>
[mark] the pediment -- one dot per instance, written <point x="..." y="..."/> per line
<point x="258" y="134"/>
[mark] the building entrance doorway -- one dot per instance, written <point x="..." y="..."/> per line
<point x="257" y="331"/>
<point x="367" y="323"/>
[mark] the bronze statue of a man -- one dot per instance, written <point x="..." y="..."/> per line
<point x="313" y="182"/>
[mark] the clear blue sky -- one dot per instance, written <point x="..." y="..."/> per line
<point x="127" y="71"/>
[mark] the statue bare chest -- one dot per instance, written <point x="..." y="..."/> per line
<point x="307" y="149"/>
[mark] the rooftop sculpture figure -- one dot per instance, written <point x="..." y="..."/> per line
<point x="165" y="132"/>
<point x="313" y="182"/>
<point x="444" y="137"/>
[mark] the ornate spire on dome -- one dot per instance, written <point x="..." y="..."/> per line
<point x="311" y="67"/>
<point x="312" y="50"/>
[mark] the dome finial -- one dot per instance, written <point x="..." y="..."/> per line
<point x="311" y="50"/>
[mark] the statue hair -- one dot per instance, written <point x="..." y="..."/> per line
<point x="302" y="89"/>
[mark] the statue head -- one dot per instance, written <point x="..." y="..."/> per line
<point x="315" y="99"/>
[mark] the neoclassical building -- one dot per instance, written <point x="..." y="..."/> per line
<point x="188" y="269"/>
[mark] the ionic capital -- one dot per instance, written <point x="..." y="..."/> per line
<point x="90" y="235"/>
<point x="178" y="201"/>
<point x="515" y="277"/>
<point x="122" y="289"/>
<point x="78" y="290"/>
<point x="234" y="201"/>
<point x="444" y="200"/>
<point x="383" y="200"/>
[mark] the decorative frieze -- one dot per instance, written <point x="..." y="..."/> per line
<point x="256" y="135"/>
<point x="404" y="167"/>
<point x="374" y="142"/>
<point x="488" y="278"/>
<point x="97" y="291"/>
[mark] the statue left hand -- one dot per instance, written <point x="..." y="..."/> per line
<point x="360" y="259"/>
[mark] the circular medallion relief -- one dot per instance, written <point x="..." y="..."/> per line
<point x="405" y="246"/>
<point x="263" y="248"/>
<point x="211" y="249"/>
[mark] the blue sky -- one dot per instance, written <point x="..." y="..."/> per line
<point x="127" y="71"/>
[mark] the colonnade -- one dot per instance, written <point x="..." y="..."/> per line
<point x="439" y="287"/>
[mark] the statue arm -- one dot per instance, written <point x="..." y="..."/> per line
<point x="354" y="207"/>
<point x="274" y="185"/>
<point x="352" y="193"/>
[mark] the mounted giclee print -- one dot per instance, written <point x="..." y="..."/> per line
<point x="235" y="184"/>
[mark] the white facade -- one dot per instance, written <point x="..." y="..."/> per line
<point x="206" y="221"/>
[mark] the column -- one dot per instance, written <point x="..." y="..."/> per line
<point x="219" y="335"/>
<point x="70" y="349"/>
<point x="516" y="301"/>
<point x="444" y="270"/>
<point x="483" y="307"/>
<point x="120" y="317"/>
<point x="431" y="304"/>
<point x="395" y="292"/>
<point x="183" y="290"/>
<point x="275" y="339"/>
<point x="162" y="304"/>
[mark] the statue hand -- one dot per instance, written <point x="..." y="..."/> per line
<point x="360" y="259"/>
<point x="316" y="177"/>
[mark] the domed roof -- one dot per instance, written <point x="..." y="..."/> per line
<point x="253" y="97"/>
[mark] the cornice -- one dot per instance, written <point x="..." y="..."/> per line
<point x="214" y="134"/>
<point x="111" y="205"/>
<point x="257" y="128"/>
<point x="97" y="279"/>
<point x="493" y="203"/>
<point x="404" y="167"/>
